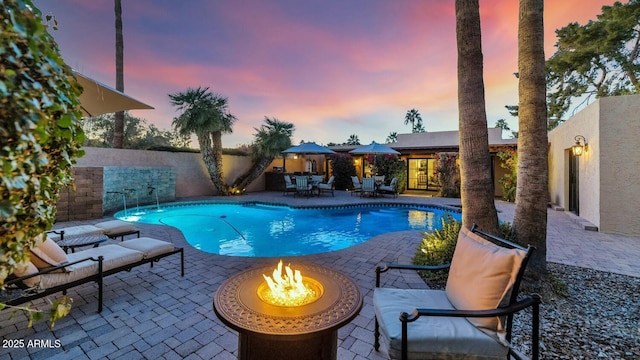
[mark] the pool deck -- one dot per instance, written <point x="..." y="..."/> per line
<point x="153" y="313"/>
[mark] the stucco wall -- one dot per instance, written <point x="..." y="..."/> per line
<point x="609" y="169"/>
<point x="192" y="178"/>
<point x="620" y="164"/>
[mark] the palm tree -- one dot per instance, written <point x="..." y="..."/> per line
<point x="413" y="117"/>
<point x="270" y="140"/>
<point x="353" y="140"/>
<point x="118" y="126"/>
<point x="530" y="220"/>
<point x="206" y="115"/>
<point x="477" y="192"/>
<point x="393" y="137"/>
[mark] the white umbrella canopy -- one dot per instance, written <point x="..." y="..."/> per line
<point x="374" y="148"/>
<point x="308" y="148"/>
<point x="98" y="98"/>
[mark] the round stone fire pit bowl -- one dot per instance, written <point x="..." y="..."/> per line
<point x="303" y="332"/>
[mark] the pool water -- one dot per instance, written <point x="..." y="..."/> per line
<point x="270" y="231"/>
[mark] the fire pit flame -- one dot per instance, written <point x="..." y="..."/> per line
<point x="289" y="288"/>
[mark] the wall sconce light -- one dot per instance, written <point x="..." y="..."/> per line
<point x="579" y="148"/>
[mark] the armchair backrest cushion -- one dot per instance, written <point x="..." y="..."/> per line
<point x="481" y="275"/>
<point x="287" y="180"/>
<point x="331" y="179"/>
<point x="368" y="184"/>
<point x="47" y="253"/>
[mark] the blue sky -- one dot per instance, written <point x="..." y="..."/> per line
<point x="332" y="68"/>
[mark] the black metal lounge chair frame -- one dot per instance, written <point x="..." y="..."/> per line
<point x="97" y="277"/>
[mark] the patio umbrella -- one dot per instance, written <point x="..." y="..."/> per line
<point x="309" y="148"/>
<point x="98" y="98"/>
<point x="306" y="148"/>
<point x="374" y="148"/>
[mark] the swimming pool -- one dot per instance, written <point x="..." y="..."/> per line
<point x="261" y="230"/>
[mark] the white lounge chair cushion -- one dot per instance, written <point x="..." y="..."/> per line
<point x="24" y="269"/>
<point x="430" y="337"/>
<point x="114" y="256"/>
<point x="46" y="253"/>
<point x="77" y="231"/>
<point x="480" y="276"/>
<point x="148" y="246"/>
<point x="115" y="226"/>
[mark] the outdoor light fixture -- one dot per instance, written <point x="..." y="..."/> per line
<point x="578" y="148"/>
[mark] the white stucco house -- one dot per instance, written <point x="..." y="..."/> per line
<point x="602" y="185"/>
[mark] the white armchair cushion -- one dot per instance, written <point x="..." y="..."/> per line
<point x="24" y="269"/>
<point x="430" y="337"/>
<point x="480" y="276"/>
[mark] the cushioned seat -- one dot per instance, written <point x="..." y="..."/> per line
<point x="430" y="337"/>
<point x="111" y="228"/>
<point x="114" y="256"/>
<point x="148" y="247"/>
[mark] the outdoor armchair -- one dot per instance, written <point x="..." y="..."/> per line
<point x="326" y="187"/>
<point x="289" y="186"/>
<point x="472" y="317"/>
<point x="368" y="186"/>
<point x="302" y="186"/>
<point x="392" y="188"/>
<point x="357" y="186"/>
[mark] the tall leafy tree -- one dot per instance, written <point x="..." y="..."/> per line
<point x="392" y="137"/>
<point x="530" y="220"/>
<point x="413" y="117"/>
<point x="206" y="115"/>
<point x="353" y="140"/>
<point x="477" y="192"/>
<point x="600" y="58"/>
<point x="270" y="140"/>
<point x="118" y="129"/>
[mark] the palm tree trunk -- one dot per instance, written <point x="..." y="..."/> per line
<point x="216" y="160"/>
<point x="118" y="126"/>
<point x="254" y="172"/>
<point x="532" y="194"/>
<point x="477" y="191"/>
<point x="209" y="159"/>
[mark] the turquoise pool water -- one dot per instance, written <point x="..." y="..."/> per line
<point x="270" y="231"/>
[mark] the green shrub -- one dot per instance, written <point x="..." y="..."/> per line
<point x="509" y="181"/>
<point x="342" y="169"/>
<point x="391" y="166"/>
<point x="437" y="248"/>
<point x="447" y="174"/>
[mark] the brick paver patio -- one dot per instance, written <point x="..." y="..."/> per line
<point x="153" y="313"/>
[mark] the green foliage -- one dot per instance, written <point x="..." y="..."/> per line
<point x="392" y="137"/>
<point x="413" y="117"/>
<point x="437" y="248"/>
<point x="41" y="131"/>
<point x="343" y="169"/>
<point x="447" y="174"/>
<point x="138" y="134"/>
<point x="271" y="139"/>
<point x="353" y="140"/>
<point x="509" y="181"/>
<point x="390" y="166"/>
<point x="40" y="135"/>
<point x="597" y="59"/>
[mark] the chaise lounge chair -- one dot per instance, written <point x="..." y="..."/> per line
<point x="112" y="229"/>
<point x="50" y="270"/>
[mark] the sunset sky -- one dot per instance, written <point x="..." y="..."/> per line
<point x="332" y="68"/>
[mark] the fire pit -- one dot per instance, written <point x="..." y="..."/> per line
<point x="271" y="327"/>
